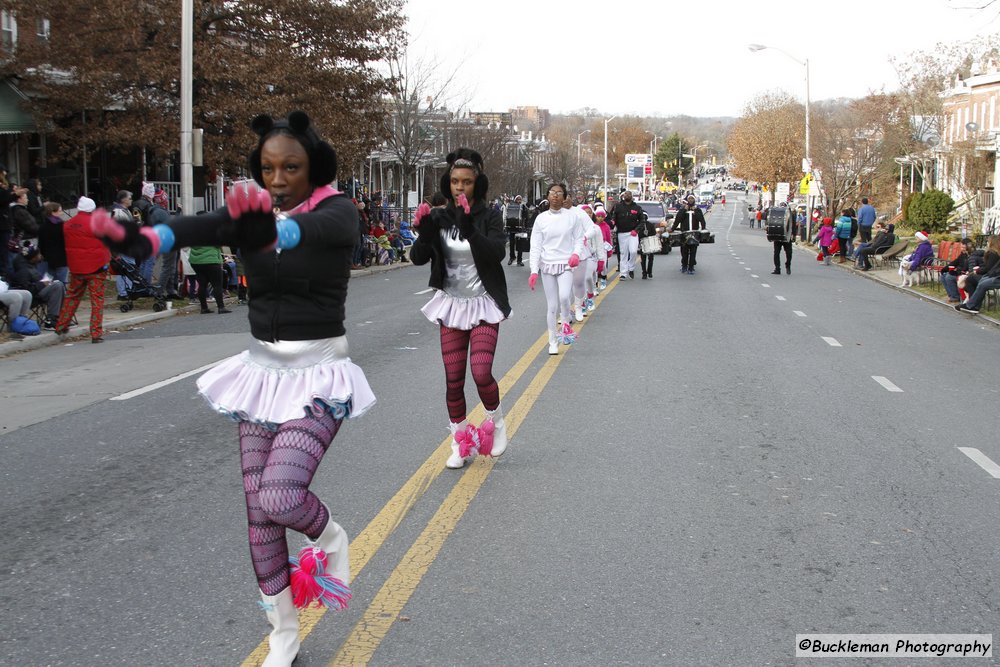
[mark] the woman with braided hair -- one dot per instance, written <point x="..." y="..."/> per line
<point x="295" y="385"/>
<point x="464" y="241"/>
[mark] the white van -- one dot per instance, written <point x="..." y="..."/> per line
<point x="706" y="193"/>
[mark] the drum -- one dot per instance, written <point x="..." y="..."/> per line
<point x="650" y="245"/>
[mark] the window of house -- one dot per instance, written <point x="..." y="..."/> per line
<point x="42" y="28"/>
<point x="8" y="31"/>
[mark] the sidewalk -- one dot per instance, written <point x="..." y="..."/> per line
<point x="890" y="276"/>
<point x="115" y="320"/>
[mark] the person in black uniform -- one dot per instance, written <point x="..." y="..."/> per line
<point x="515" y="214"/>
<point x="689" y="218"/>
<point x="786" y="244"/>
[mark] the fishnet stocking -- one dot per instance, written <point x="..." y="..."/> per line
<point x="456" y="344"/>
<point x="278" y="467"/>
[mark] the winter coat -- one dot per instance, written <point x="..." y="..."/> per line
<point x="626" y="217"/>
<point x="206" y="254"/>
<point x="84" y="252"/>
<point x="51" y="242"/>
<point x="842" y="228"/>
<point x="298" y="293"/>
<point x="488" y="242"/>
<point x="825" y="236"/>
<point x="922" y="255"/>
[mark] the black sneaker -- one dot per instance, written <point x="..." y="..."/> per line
<point x="962" y="308"/>
<point x="49" y="324"/>
<point x="788" y="269"/>
<point x="223" y="311"/>
<point x="206" y="311"/>
<point x="776" y="272"/>
<point x="631" y="275"/>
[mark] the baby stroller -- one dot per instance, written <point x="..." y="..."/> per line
<point x="137" y="286"/>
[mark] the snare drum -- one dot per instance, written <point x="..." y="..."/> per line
<point x="650" y="245"/>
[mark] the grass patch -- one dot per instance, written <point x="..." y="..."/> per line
<point x="936" y="289"/>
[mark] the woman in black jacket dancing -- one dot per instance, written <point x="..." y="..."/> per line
<point x="293" y="388"/>
<point x="465" y="244"/>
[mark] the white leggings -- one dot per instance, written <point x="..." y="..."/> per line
<point x="558" y="290"/>
<point x="579" y="281"/>
<point x="590" y="276"/>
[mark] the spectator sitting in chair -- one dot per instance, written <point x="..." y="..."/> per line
<point x="884" y="238"/>
<point x="956" y="268"/>
<point x="990" y="272"/>
<point x="27" y="277"/>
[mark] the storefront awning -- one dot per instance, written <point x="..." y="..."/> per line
<point x="13" y="119"/>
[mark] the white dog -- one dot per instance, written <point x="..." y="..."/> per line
<point x="904" y="270"/>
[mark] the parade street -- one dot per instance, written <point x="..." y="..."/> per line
<point x="722" y="461"/>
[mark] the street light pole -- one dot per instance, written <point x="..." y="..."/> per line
<point x="579" y="134"/>
<point x="187" y="57"/>
<point x="805" y="64"/>
<point x="606" y="121"/>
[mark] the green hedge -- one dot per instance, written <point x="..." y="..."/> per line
<point x="929" y="210"/>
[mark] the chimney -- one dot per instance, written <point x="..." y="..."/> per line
<point x="529" y="135"/>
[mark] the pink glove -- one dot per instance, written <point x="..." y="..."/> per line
<point x="422" y="210"/>
<point x="574" y="261"/>
<point x="634" y="233"/>
<point x="249" y="199"/>
<point x="463" y="202"/>
<point x="532" y="279"/>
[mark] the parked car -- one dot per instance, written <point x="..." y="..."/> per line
<point x="657" y="214"/>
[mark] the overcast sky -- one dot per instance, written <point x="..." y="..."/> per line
<point x="625" y="57"/>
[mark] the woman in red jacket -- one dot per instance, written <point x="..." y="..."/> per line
<point x="88" y="263"/>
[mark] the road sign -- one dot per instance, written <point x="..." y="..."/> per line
<point x="781" y="192"/>
<point x="638" y="159"/>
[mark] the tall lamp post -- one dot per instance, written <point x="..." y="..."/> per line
<point x="579" y="134"/>
<point x="606" y="121"/>
<point x="804" y="63"/>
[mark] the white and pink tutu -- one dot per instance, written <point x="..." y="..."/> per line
<point x="463" y="313"/>
<point x="553" y="269"/>
<point x="272" y="383"/>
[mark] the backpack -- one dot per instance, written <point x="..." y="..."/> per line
<point x="24" y="326"/>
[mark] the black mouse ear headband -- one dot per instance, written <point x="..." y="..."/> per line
<point x="322" y="157"/>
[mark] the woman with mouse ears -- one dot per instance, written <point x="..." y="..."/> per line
<point x="292" y="389"/>
<point x="465" y="243"/>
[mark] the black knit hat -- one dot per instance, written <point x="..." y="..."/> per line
<point x="322" y="157"/>
<point x="469" y="159"/>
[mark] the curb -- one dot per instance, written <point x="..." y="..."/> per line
<point x="47" y="338"/>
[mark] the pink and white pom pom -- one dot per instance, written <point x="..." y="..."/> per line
<point x="463" y="201"/>
<point x="568" y="336"/>
<point x="312" y="585"/>
<point x="473" y="439"/>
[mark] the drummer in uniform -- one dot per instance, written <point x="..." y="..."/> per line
<point x="649" y="249"/>
<point x="515" y="215"/>
<point x="689" y="218"/>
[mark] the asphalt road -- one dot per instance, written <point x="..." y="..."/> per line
<point x="720" y="462"/>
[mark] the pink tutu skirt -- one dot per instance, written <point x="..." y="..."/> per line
<point x="272" y="383"/>
<point x="460" y="313"/>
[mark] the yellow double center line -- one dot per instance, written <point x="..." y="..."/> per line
<point x="367" y="634"/>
